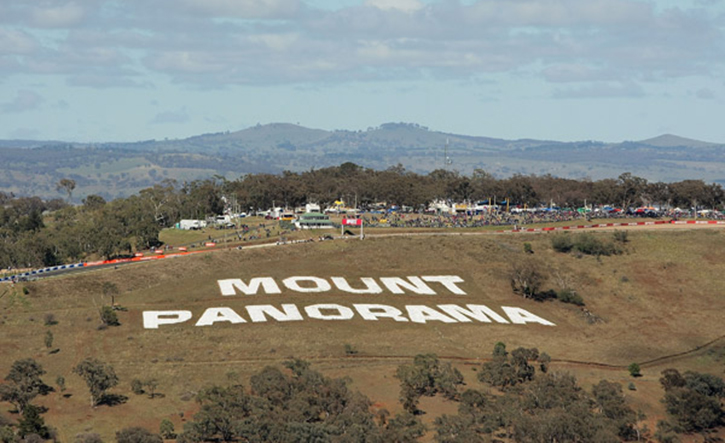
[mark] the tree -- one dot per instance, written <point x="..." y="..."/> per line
<point x="166" y="429"/>
<point x="693" y="401"/>
<point x="526" y="277"/>
<point x="403" y="428"/>
<point x="66" y="185"/>
<point x="427" y="376"/>
<point x="99" y="378"/>
<point x="506" y="370"/>
<point x="612" y="405"/>
<point x="93" y="202"/>
<point x="32" y="423"/>
<point x="110" y="289"/>
<point x="24" y="383"/>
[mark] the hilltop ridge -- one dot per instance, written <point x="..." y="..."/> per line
<point x="120" y="169"/>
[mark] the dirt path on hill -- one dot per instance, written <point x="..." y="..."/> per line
<point x="406" y="358"/>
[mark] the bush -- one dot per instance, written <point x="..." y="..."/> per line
<point x="584" y="244"/>
<point x="528" y="249"/>
<point x="137" y="386"/>
<point x="350" y="349"/>
<point x="166" y="429"/>
<point x="621" y="236"/>
<point x="109" y="317"/>
<point x="544" y="295"/>
<point x="562" y="243"/>
<point x="634" y="370"/>
<point x="570" y="296"/>
<point x="590" y="245"/>
<point x="60" y="381"/>
<point x="50" y="319"/>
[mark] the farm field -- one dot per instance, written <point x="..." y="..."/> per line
<point x="659" y="303"/>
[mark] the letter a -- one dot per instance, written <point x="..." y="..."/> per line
<point x="522" y="316"/>
<point x="213" y="315"/>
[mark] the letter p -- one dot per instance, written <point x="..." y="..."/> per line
<point x="153" y="319"/>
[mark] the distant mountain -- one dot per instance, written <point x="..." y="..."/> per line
<point x="118" y="169"/>
<point x="672" y="141"/>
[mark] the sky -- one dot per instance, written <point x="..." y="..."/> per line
<point x="568" y="70"/>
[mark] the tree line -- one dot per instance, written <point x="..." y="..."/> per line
<point x="36" y="232"/>
<point x="396" y="186"/>
<point x="520" y="400"/>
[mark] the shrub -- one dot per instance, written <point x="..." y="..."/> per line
<point x="590" y="245"/>
<point x="583" y="244"/>
<point x="570" y="296"/>
<point x="60" y="381"/>
<point x="562" y="243"/>
<point x="528" y="249"/>
<point x="350" y="349"/>
<point x="634" y="370"/>
<point x="137" y="386"/>
<point x="621" y="236"/>
<point x="50" y="319"/>
<point x="166" y="429"/>
<point x="109" y="317"/>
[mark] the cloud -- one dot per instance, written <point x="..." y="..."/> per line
<point x="13" y="41"/>
<point x="400" y="5"/>
<point x="574" y="72"/>
<point x="559" y="12"/>
<point x="601" y="90"/>
<point x="178" y="116"/>
<point x="48" y="15"/>
<point x="268" y="42"/>
<point x="62" y="105"/>
<point x="243" y="8"/>
<point x="25" y="100"/>
<point x="705" y="94"/>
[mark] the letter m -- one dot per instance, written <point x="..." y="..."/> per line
<point x="232" y="285"/>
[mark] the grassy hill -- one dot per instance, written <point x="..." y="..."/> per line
<point x="657" y="300"/>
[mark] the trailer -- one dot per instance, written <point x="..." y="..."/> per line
<point x="191" y="224"/>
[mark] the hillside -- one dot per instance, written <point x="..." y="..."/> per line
<point x="658" y="299"/>
<point x="121" y="169"/>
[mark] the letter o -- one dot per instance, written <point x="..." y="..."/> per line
<point x="320" y="284"/>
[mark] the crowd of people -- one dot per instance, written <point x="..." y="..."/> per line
<point x="516" y="219"/>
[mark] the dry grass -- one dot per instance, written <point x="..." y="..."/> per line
<point x="661" y="297"/>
